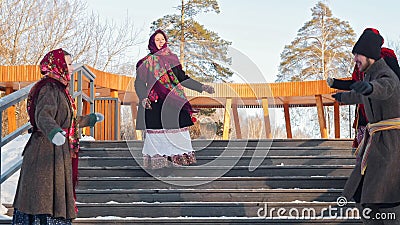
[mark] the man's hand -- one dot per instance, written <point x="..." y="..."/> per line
<point x="362" y="87"/>
<point x="337" y="96"/>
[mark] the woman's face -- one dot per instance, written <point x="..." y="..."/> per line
<point x="68" y="60"/>
<point x="159" y="40"/>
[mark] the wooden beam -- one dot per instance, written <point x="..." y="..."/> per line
<point x="87" y="129"/>
<point x="12" y="119"/>
<point x="119" y="120"/>
<point x="96" y="126"/>
<point x="85" y="111"/>
<point x="287" y="120"/>
<point x="109" y="129"/>
<point x="236" y="121"/>
<point x="267" y="122"/>
<point x="321" y="116"/>
<point x="227" y="119"/>
<point x="114" y="93"/>
<point x="102" y="125"/>
<point x="336" y="116"/>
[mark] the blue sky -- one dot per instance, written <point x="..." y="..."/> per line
<point x="258" y="29"/>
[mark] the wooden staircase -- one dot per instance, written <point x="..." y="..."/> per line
<point x="295" y="175"/>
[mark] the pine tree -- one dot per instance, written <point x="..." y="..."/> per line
<point x="321" y="49"/>
<point x="201" y="51"/>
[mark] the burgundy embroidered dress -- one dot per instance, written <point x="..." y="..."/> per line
<point x="160" y="78"/>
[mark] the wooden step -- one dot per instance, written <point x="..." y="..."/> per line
<point x="210" y="209"/>
<point x="205" y="221"/>
<point x="206" y="195"/>
<point x="232" y="171"/>
<point x="87" y="161"/>
<point x="300" y="182"/>
<point x="219" y="189"/>
<point x="345" y="143"/>
<point x="231" y="151"/>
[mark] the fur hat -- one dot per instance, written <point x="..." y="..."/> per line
<point x="369" y="44"/>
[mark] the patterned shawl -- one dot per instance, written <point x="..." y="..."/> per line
<point x="156" y="70"/>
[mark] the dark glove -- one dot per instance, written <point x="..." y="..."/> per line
<point x="337" y="96"/>
<point x="362" y="87"/>
<point x="340" y="84"/>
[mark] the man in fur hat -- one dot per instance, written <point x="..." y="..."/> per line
<point x="375" y="181"/>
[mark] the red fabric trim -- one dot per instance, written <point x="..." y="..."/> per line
<point x="388" y="53"/>
<point x="373" y="30"/>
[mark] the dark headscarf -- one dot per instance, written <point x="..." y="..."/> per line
<point x="152" y="44"/>
<point x="165" y="53"/>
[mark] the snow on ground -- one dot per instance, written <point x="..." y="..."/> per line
<point x="87" y="138"/>
<point x="10" y="154"/>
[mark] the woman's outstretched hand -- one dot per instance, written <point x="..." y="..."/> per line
<point x="209" y="89"/>
<point x="99" y="117"/>
<point x="146" y="103"/>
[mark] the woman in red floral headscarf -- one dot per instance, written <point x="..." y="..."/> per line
<point x="164" y="111"/>
<point x="46" y="186"/>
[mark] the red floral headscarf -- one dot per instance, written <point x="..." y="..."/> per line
<point x="54" y="65"/>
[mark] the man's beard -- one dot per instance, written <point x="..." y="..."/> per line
<point x="365" y="66"/>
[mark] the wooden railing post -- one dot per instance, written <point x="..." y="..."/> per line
<point x="287" y="120"/>
<point x="336" y="112"/>
<point x="12" y="120"/>
<point x="227" y="119"/>
<point x="267" y="122"/>
<point x="236" y="121"/>
<point x="115" y="127"/>
<point x="321" y="116"/>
